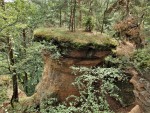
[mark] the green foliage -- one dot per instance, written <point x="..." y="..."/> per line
<point x="18" y="16"/>
<point x="121" y="62"/>
<point x="52" y="49"/>
<point x="89" y="24"/>
<point x="4" y="85"/>
<point x="141" y="60"/>
<point x="94" y="84"/>
<point x="75" y="40"/>
<point x="32" y="64"/>
<point x="3" y="93"/>
<point x="3" y="64"/>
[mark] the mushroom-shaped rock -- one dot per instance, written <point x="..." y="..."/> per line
<point x="76" y="49"/>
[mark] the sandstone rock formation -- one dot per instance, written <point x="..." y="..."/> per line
<point x="82" y="50"/>
<point x="136" y="109"/>
<point x="141" y="91"/>
<point x="57" y="77"/>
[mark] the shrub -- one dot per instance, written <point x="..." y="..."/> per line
<point x="94" y="84"/>
<point x="89" y="24"/>
<point x="141" y="61"/>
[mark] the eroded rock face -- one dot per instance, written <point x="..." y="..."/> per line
<point x="57" y="77"/>
<point x="136" y="109"/>
<point x="141" y="91"/>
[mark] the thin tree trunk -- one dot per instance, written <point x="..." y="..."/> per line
<point x="60" y="18"/>
<point x="74" y="15"/>
<point x="127" y="7"/>
<point x="65" y="12"/>
<point x="80" y="14"/>
<point x="70" y="23"/>
<point x="25" y="73"/>
<point x="71" y="17"/>
<point x="104" y="16"/>
<point x="15" y="97"/>
<point x="25" y="82"/>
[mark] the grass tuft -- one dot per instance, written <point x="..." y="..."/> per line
<point x="76" y="39"/>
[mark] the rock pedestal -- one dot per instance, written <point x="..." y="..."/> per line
<point x="57" y="77"/>
<point x="76" y="49"/>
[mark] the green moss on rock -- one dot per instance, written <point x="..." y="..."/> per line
<point x="78" y="39"/>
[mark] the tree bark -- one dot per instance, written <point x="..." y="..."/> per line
<point x="60" y="18"/>
<point x="80" y="14"/>
<point x="74" y="15"/>
<point x="25" y="80"/>
<point x="127" y="7"/>
<point x="15" y="97"/>
<point x="70" y="23"/>
<point x="104" y="17"/>
<point x="10" y="53"/>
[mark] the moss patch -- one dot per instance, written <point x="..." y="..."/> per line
<point x="78" y="39"/>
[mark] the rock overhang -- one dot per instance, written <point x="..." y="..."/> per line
<point x="75" y="40"/>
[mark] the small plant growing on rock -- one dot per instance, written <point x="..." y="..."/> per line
<point x="53" y="49"/>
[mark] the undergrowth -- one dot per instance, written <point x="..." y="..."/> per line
<point x="93" y="84"/>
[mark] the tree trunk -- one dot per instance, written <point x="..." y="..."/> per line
<point x="65" y="12"/>
<point x="80" y="14"/>
<point x="74" y="15"/>
<point x="71" y="17"/>
<point x="10" y="53"/>
<point x="25" y="80"/>
<point x="127" y="7"/>
<point x="15" y="97"/>
<point x="104" y="17"/>
<point x="60" y="17"/>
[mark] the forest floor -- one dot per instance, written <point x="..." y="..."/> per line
<point x="6" y="92"/>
